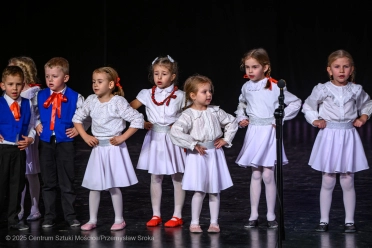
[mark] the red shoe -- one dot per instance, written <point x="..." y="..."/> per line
<point x="155" y="221"/>
<point x="174" y="223"/>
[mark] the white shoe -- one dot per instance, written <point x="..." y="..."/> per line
<point x="34" y="216"/>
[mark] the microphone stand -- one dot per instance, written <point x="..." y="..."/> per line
<point x="279" y="114"/>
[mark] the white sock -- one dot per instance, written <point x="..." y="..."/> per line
<point x="348" y="190"/>
<point x="214" y="207"/>
<point x="270" y="191"/>
<point x="94" y="199"/>
<point x="196" y="206"/>
<point x="156" y="192"/>
<point x="255" y="191"/>
<point x="117" y="202"/>
<point x="328" y="184"/>
<point x="179" y="194"/>
<point x="34" y="187"/>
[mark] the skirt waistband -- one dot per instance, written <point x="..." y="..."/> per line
<point x="208" y="145"/>
<point x="105" y="142"/>
<point x="160" y="129"/>
<point x="339" y="125"/>
<point x="261" y="121"/>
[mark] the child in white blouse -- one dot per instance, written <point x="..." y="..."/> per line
<point x="109" y="166"/>
<point x="199" y="130"/>
<point x="337" y="107"/>
<point x="159" y="156"/>
<point x="257" y="104"/>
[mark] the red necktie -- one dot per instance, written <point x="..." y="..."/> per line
<point x="14" y="107"/>
<point x="56" y="100"/>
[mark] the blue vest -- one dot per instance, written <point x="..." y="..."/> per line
<point x="9" y="127"/>
<point x="61" y="124"/>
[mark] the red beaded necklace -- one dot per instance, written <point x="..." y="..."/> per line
<point x="166" y="100"/>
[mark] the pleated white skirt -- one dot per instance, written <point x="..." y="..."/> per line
<point x="109" y="167"/>
<point x="208" y="173"/>
<point x="338" y="151"/>
<point x="259" y="147"/>
<point x="160" y="156"/>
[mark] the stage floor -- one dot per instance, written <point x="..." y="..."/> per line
<point x="301" y="186"/>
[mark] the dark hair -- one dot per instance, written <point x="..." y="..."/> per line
<point x="262" y="57"/>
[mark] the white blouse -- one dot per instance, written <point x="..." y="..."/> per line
<point x="337" y="103"/>
<point x="163" y="115"/>
<point x="196" y="126"/>
<point x="256" y="101"/>
<point x="108" y="118"/>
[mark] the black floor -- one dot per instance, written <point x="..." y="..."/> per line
<point x="301" y="186"/>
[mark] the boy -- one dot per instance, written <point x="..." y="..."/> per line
<point x="16" y="133"/>
<point x="56" y="106"/>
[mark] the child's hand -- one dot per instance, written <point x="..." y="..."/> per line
<point x="91" y="140"/>
<point x="200" y="149"/>
<point x="23" y="144"/>
<point x="1" y="138"/>
<point x="116" y="140"/>
<point x="243" y="123"/>
<point x="320" y="123"/>
<point x="360" y="121"/>
<point x="39" y="129"/>
<point x="148" y="125"/>
<point x="71" y="132"/>
<point x="218" y="143"/>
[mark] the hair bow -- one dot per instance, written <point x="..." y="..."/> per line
<point x="118" y="83"/>
<point x="170" y="58"/>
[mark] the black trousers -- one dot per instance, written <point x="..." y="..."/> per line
<point x="57" y="170"/>
<point x="12" y="180"/>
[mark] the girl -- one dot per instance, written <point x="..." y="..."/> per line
<point x="199" y="130"/>
<point x="109" y="166"/>
<point x="257" y="104"/>
<point x="337" y="107"/>
<point x="159" y="155"/>
<point x="31" y="87"/>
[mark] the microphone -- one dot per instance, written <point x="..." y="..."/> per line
<point x="281" y="83"/>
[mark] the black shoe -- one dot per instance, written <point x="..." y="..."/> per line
<point x="272" y="224"/>
<point x="47" y="224"/>
<point x="322" y="227"/>
<point x="350" y="228"/>
<point x="251" y="224"/>
<point x="20" y="226"/>
<point x="74" y="223"/>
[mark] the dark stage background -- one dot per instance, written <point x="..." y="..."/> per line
<point x="203" y="37"/>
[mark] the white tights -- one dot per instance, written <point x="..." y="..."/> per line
<point x="34" y="187"/>
<point x="117" y="202"/>
<point x="197" y="203"/>
<point x="267" y="175"/>
<point x="348" y="190"/>
<point x="156" y="192"/>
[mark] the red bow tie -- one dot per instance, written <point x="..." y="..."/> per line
<point x="56" y="99"/>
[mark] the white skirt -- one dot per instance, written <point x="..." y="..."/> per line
<point x="160" y="156"/>
<point x="109" y="167"/>
<point x="259" y="147"/>
<point x="338" y="150"/>
<point x="208" y="173"/>
<point x="32" y="157"/>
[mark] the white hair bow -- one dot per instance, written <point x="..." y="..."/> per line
<point x="169" y="57"/>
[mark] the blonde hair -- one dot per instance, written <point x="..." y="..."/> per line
<point x="165" y="61"/>
<point x="28" y="67"/>
<point x="59" y="62"/>
<point x="262" y="57"/>
<point x="192" y="86"/>
<point x="112" y="75"/>
<point x="341" y="54"/>
<point x="12" y="70"/>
